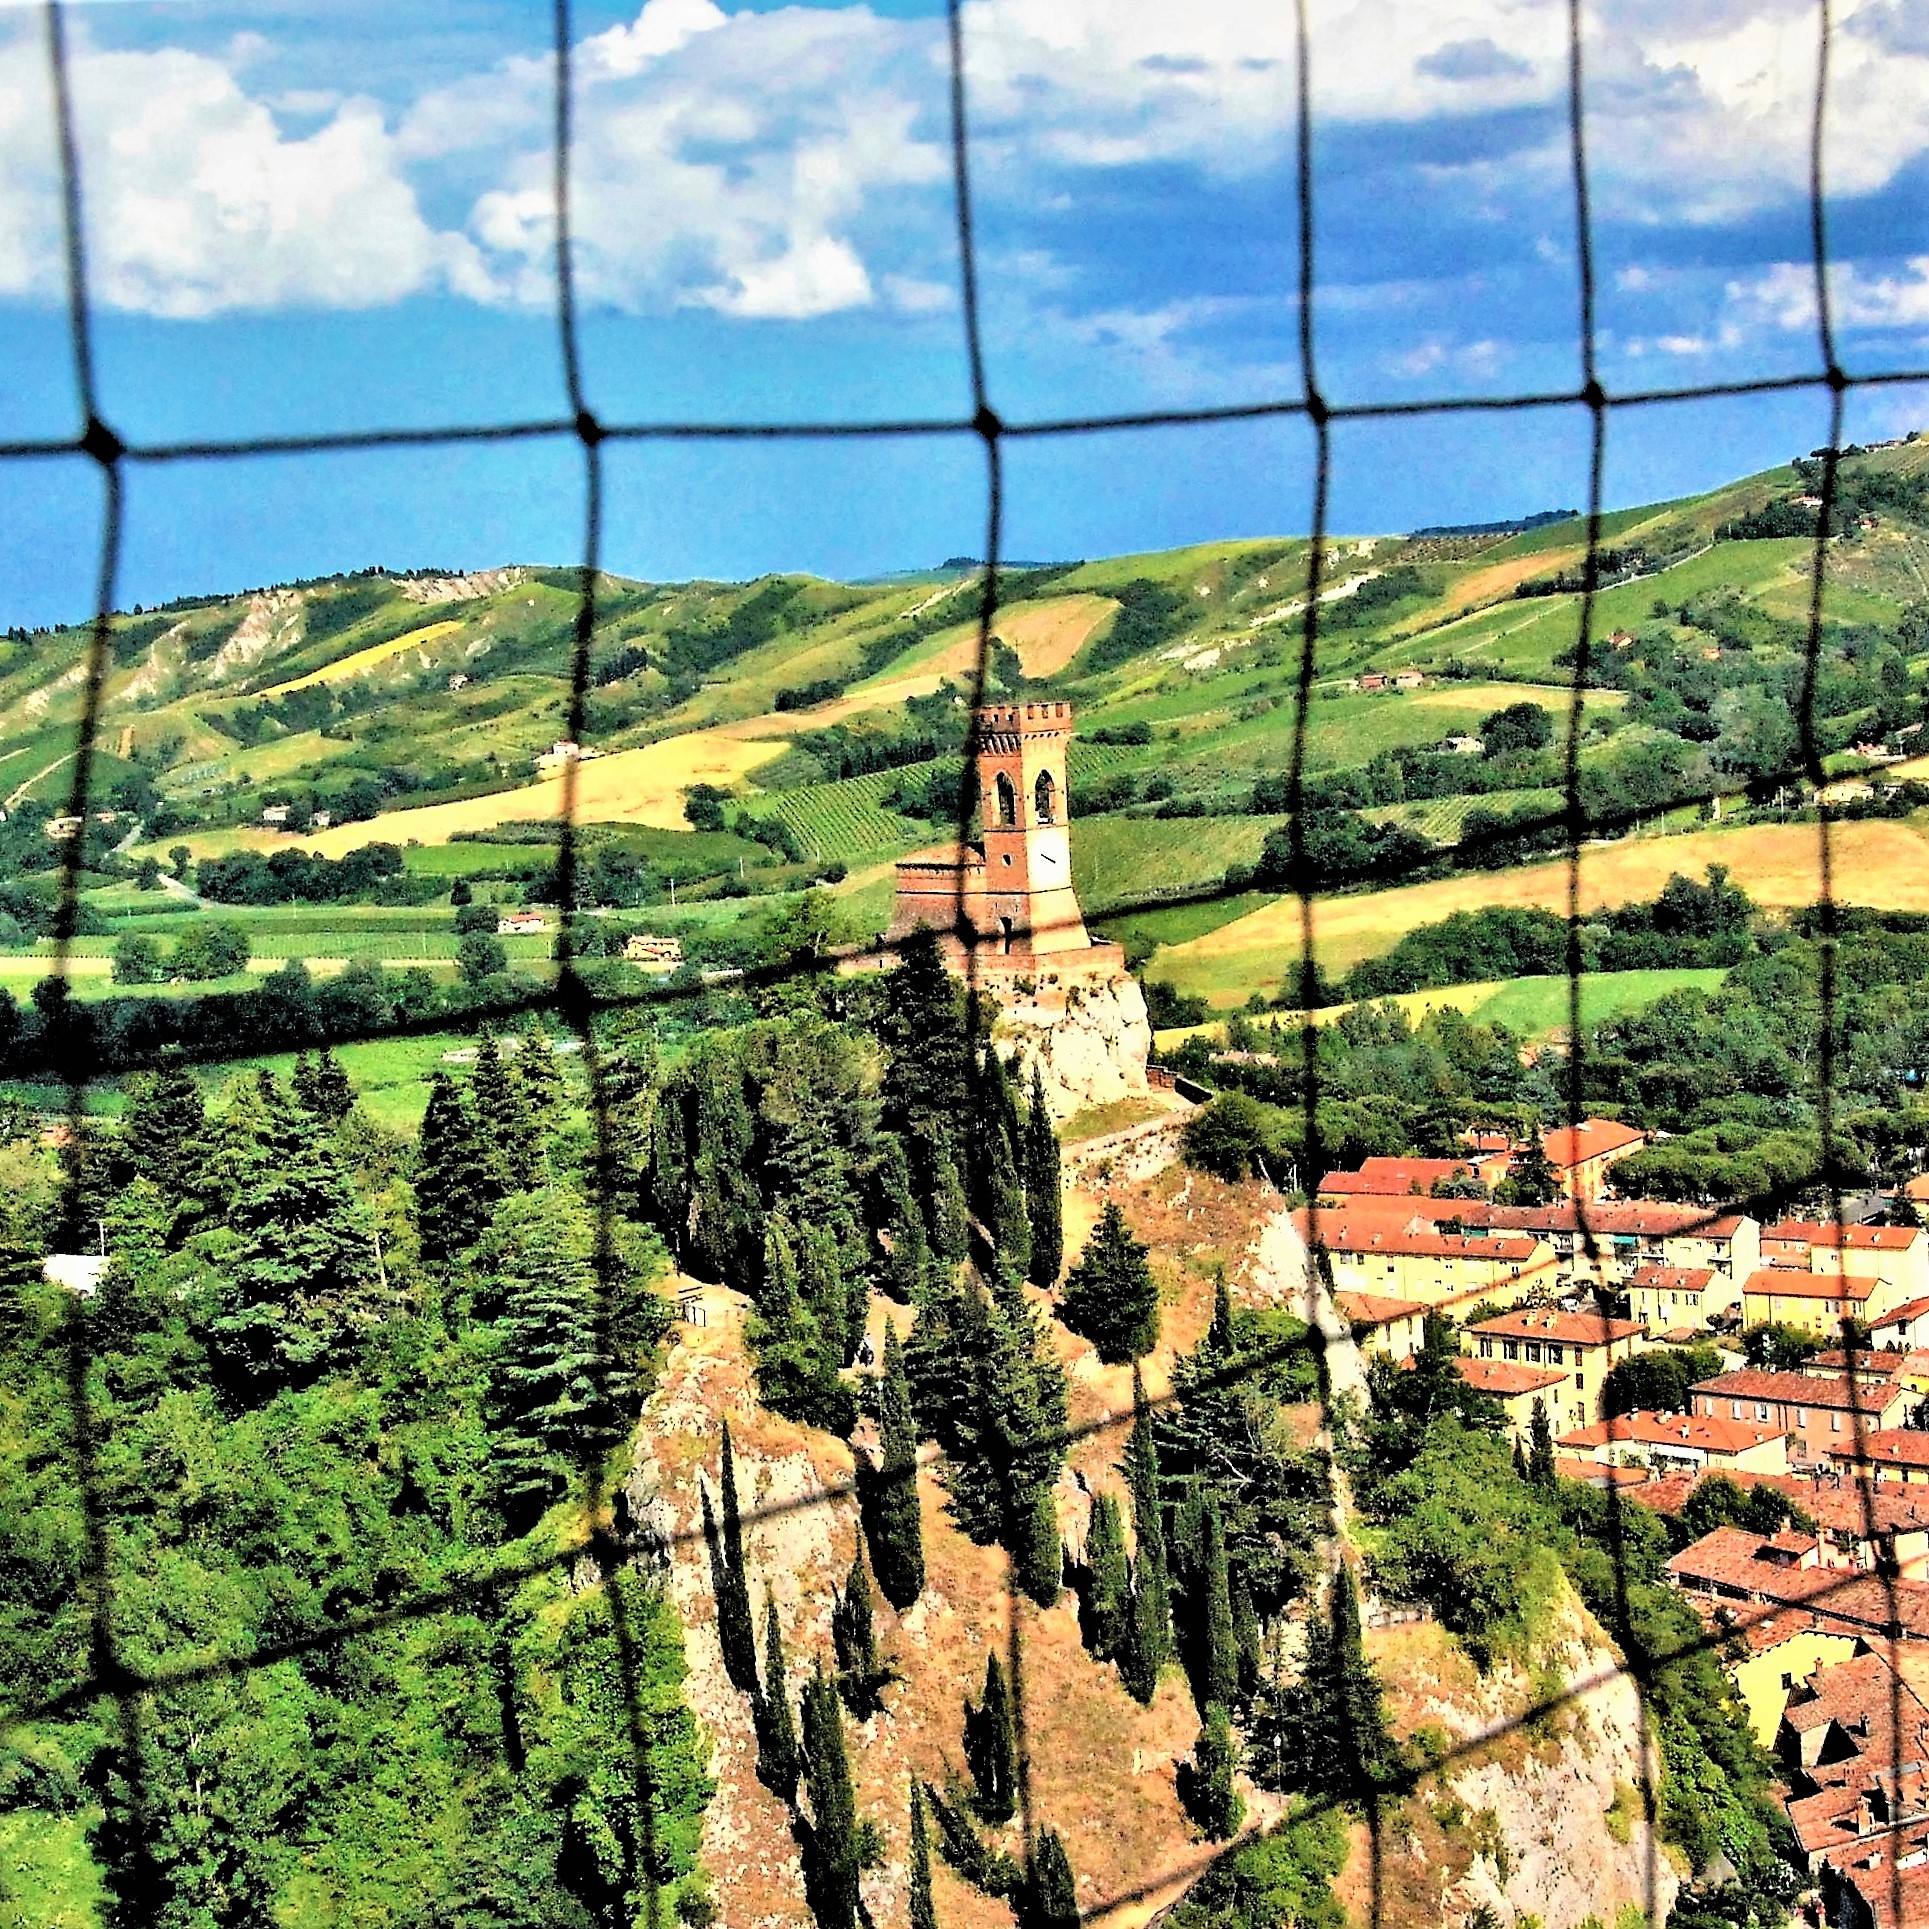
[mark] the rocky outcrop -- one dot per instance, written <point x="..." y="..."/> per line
<point x="1089" y="1036"/>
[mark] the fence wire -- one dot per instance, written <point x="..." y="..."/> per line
<point x="577" y="1004"/>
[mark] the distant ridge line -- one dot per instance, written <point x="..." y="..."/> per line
<point x="1517" y="526"/>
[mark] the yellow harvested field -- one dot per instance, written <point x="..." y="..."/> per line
<point x="1498" y="581"/>
<point x="1883" y="864"/>
<point x="643" y="786"/>
<point x="365" y="659"/>
<point x="1048" y="635"/>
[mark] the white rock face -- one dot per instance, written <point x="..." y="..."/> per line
<point x="1090" y="1038"/>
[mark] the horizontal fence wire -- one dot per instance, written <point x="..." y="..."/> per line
<point x="579" y="1003"/>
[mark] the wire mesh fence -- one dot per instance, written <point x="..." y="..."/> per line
<point x="112" y="1682"/>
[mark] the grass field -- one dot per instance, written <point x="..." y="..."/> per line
<point x="1442" y="818"/>
<point x="1882" y="864"/>
<point x="48" y="1876"/>
<point x="1048" y="635"/>
<point x="390" y="1075"/>
<point x="368" y="659"/>
<point x="642" y="786"/>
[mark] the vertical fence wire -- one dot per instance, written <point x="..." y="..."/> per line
<point x="573" y="1002"/>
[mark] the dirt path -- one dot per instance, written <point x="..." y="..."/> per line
<point x="14" y="796"/>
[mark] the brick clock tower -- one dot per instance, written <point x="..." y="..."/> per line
<point x="1007" y="901"/>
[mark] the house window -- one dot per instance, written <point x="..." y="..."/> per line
<point x="1835" y="1423"/>
<point x="1486" y="1349"/>
<point x="1534" y="1351"/>
<point x="1556" y="1354"/>
<point x="1580" y="1383"/>
<point x="1734" y="1409"/>
<point x="1510" y="1349"/>
<point x="1761" y="1410"/>
<point x="1801" y="1416"/>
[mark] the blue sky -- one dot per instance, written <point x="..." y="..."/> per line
<point x="336" y="216"/>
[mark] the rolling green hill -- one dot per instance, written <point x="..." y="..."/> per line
<point x="418" y="709"/>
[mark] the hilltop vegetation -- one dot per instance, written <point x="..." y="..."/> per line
<point x="753" y="738"/>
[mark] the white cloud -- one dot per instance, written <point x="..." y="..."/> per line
<point x="794" y="163"/>
<point x="1859" y="297"/>
<point x="197" y="202"/>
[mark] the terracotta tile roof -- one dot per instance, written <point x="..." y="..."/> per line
<point x="1377" y="1309"/>
<point x="1692" y="1430"/>
<point x="1825" y="1232"/>
<point x="1910" y="1309"/>
<point x="1732" y="1558"/>
<point x="1608" y="1218"/>
<point x="1789" y="1282"/>
<point x="1839" y="1600"/>
<point x="1830" y="1392"/>
<point x="1672" y="1279"/>
<point x="1341" y="1233"/>
<point x="1505" y="1378"/>
<point x="1591" y="1473"/>
<point x="1570" y="1145"/>
<point x="1396" y="1178"/>
<point x="1891" y="1447"/>
<point x="1548" y="1323"/>
<point x="1868" y="1363"/>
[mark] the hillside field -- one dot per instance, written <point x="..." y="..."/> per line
<point x="1883" y="865"/>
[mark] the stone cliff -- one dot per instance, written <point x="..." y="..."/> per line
<point x="1089" y="1036"/>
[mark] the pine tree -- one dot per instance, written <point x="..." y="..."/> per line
<point x="892" y="1519"/>
<point x="1108" y="1596"/>
<point x="164" y="1129"/>
<point x="796" y="1370"/>
<point x="991" y="1748"/>
<point x="903" y="1224"/>
<point x="503" y="1124"/>
<point x="1148" y="1644"/>
<point x="541" y="1078"/>
<point x="837" y="1839"/>
<point x="1540" y="1448"/>
<point x="860" y="1676"/>
<point x="453" y="1188"/>
<point x="924" y="1909"/>
<point x="1217" y="1676"/>
<point x="1206" y="1782"/>
<point x="824" y="1288"/>
<point x="299" y="1279"/>
<point x="778" y="1760"/>
<point x="1110" y="1295"/>
<point x="1051" y="1901"/>
<point x="736" y="1632"/>
<point x="1044" y="1201"/>
<point x="554" y="1399"/>
<point x="323" y="1088"/>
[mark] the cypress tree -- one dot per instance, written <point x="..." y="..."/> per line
<point x="1110" y="1296"/>
<point x="991" y="1748"/>
<point x="910" y="1251"/>
<point x="1206" y="1782"/>
<point x="735" y="1630"/>
<point x="948" y="1217"/>
<point x="860" y="1678"/>
<point x="1540" y="1448"/>
<point x="777" y="1752"/>
<point x="1107" y="1599"/>
<point x="1326" y="1733"/>
<point x="1218" y="1661"/>
<point x="892" y="1519"/>
<point x="452" y="1187"/>
<point x="997" y="1191"/>
<point x="1520" y="1459"/>
<point x="924" y="1909"/>
<point x="1051" y="1900"/>
<point x="1246" y="1639"/>
<point x="836" y="1839"/>
<point x="1044" y="1201"/>
<point x="1148" y="1643"/>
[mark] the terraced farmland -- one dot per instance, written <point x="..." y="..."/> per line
<point x="1444" y="818"/>
<point x="842" y="820"/>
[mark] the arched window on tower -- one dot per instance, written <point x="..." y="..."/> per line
<point x="1045" y="798"/>
<point x="1007" y="800"/>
